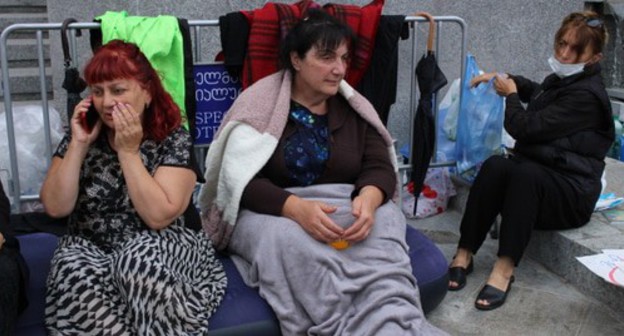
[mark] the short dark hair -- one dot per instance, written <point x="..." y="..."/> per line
<point x="316" y="28"/>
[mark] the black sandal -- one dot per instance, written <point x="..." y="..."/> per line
<point x="494" y="296"/>
<point x="458" y="275"/>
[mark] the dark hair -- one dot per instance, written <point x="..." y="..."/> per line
<point x="589" y="30"/>
<point x="319" y="29"/>
<point x="122" y="60"/>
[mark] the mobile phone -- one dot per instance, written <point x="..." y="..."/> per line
<point x="89" y="119"/>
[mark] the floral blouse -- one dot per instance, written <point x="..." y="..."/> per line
<point x="306" y="150"/>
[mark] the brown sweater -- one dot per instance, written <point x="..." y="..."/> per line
<point x="357" y="155"/>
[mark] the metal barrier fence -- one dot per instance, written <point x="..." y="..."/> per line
<point x="197" y="26"/>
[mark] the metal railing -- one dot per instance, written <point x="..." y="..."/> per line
<point x="196" y="26"/>
<point x="439" y="20"/>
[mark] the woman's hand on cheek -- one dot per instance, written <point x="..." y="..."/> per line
<point x="128" y="128"/>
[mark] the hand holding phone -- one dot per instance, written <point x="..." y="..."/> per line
<point x="89" y="119"/>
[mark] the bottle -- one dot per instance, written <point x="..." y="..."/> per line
<point x="620" y="139"/>
<point x="616" y="148"/>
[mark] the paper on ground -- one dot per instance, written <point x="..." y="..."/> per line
<point x="609" y="265"/>
<point x="608" y="201"/>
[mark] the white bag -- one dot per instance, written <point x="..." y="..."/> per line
<point x="438" y="188"/>
<point x="450" y="103"/>
<point x="30" y="145"/>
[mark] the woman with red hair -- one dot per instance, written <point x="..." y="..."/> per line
<point x="130" y="263"/>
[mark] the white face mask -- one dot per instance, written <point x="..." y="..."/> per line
<point x="565" y="70"/>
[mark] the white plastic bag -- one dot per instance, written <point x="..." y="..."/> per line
<point x="438" y="188"/>
<point x="32" y="158"/>
<point x="450" y="104"/>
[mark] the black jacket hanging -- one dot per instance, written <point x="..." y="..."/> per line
<point x="379" y="84"/>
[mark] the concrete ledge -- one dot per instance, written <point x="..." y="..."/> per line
<point x="24" y="3"/>
<point x="25" y="83"/>
<point x="26" y="50"/>
<point x="557" y="250"/>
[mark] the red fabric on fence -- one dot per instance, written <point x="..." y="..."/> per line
<point x="364" y="22"/>
<point x="270" y="24"/>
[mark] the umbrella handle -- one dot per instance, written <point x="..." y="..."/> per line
<point x="64" y="41"/>
<point x="431" y="28"/>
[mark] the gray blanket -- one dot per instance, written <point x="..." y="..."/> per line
<point x="367" y="289"/>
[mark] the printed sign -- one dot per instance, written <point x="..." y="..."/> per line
<point x="215" y="91"/>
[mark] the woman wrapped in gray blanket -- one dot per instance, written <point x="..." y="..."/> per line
<point x="311" y="168"/>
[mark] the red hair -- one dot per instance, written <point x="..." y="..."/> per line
<point x="122" y="60"/>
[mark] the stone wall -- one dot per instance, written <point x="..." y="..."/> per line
<point x="614" y="13"/>
<point x="506" y="35"/>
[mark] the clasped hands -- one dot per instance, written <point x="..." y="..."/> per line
<point x="313" y="216"/>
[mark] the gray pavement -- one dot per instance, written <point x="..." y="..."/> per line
<point x="540" y="302"/>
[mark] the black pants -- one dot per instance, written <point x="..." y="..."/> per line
<point x="11" y="284"/>
<point x="528" y="196"/>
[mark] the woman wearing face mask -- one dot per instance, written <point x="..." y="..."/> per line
<point x="552" y="179"/>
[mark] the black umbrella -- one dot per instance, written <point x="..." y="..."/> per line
<point x="430" y="80"/>
<point x="73" y="84"/>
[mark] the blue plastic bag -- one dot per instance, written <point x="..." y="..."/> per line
<point x="479" y="124"/>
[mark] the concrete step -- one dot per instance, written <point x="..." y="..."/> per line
<point x="8" y="18"/>
<point x="22" y="56"/>
<point x="12" y="6"/>
<point x="556" y="250"/>
<point x="24" y="83"/>
<point x="24" y="4"/>
<point x="442" y="228"/>
<point x="23" y="9"/>
<point x="23" y="53"/>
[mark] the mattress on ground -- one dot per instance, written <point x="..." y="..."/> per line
<point x="242" y="311"/>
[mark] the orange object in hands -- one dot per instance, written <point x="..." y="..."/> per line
<point x="340" y="244"/>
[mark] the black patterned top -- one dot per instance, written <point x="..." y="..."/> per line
<point x="104" y="213"/>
